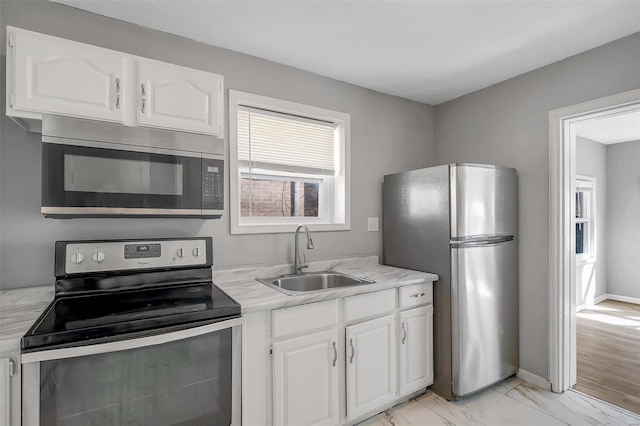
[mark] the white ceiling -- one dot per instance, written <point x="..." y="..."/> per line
<point x="428" y="51"/>
<point x="613" y="128"/>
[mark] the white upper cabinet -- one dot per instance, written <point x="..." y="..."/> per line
<point x="178" y="98"/>
<point x="52" y="75"/>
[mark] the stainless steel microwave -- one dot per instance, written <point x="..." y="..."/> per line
<point x="95" y="169"/>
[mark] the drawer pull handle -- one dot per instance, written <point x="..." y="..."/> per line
<point x="144" y="98"/>
<point x="335" y="354"/>
<point x="117" y="93"/>
<point x="353" y="351"/>
<point x="417" y="295"/>
<point x="404" y="333"/>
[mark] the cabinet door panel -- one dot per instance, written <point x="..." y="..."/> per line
<point x="416" y="349"/>
<point x="66" y="78"/>
<point x="305" y="380"/>
<point x="371" y="365"/>
<point x="179" y="98"/>
<point x="5" y="392"/>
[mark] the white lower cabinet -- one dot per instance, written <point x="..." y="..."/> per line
<point x="338" y="361"/>
<point x="306" y="379"/>
<point x="5" y="392"/>
<point x="9" y="392"/>
<point x="415" y="349"/>
<point x="371" y="365"/>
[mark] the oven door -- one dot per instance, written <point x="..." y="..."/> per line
<point x="188" y="377"/>
<point x="106" y="179"/>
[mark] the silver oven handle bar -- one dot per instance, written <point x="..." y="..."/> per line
<point x="123" y="345"/>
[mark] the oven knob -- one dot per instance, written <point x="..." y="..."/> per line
<point x="196" y="252"/>
<point x="180" y="252"/>
<point x="77" y="257"/>
<point x="98" y="256"/>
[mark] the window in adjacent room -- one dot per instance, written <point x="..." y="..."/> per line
<point x="289" y="164"/>
<point x="585" y="218"/>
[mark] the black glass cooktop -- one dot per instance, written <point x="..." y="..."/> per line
<point x="97" y="318"/>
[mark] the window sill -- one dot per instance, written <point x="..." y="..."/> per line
<point x="287" y="228"/>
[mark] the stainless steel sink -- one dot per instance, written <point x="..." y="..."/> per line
<point x="312" y="282"/>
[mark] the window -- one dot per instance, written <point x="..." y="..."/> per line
<point x="289" y="163"/>
<point x="585" y="219"/>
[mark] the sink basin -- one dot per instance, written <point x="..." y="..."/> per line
<point x="312" y="282"/>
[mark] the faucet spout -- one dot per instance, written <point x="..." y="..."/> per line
<point x="297" y="264"/>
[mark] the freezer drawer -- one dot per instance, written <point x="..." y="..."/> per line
<point x="484" y="310"/>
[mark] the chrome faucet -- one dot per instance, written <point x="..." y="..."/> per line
<point x="297" y="265"/>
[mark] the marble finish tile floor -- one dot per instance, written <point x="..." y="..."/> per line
<point x="511" y="402"/>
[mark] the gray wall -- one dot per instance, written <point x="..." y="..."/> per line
<point x="591" y="279"/>
<point x="388" y="134"/>
<point x="623" y="219"/>
<point x="508" y="124"/>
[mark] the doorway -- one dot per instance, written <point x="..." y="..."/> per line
<point x="564" y="229"/>
<point x="607" y="251"/>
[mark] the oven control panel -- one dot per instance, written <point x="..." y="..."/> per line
<point x="103" y="256"/>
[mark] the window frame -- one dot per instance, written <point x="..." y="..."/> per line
<point x="587" y="184"/>
<point x="335" y="208"/>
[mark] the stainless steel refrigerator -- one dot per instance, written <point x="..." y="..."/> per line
<point x="460" y="221"/>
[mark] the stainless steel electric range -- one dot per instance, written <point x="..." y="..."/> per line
<point x="137" y="334"/>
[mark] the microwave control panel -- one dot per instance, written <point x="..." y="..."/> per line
<point x="212" y="184"/>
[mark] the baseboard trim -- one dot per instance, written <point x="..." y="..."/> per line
<point x="534" y="379"/>
<point x="596" y="300"/>
<point x="627" y="299"/>
<point x="600" y="299"/>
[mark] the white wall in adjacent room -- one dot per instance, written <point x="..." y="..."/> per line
<point x="623" y="219"/>
<point x="591" y="278"/>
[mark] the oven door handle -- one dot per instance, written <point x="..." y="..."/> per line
<point x="124" y="345"/>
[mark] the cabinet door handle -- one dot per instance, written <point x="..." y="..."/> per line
<point x="13" y="367"/>
<point x="404" y="333"/>
<point x="144" y="98"/>
<point x="353" y="351"/>
<point x="117" y="93"/>
<point x="335" y="354"/>
<point x="417" y="295"/>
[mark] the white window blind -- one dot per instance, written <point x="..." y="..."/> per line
<point x="275" y="141"/>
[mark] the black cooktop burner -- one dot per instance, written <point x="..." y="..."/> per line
<point x="98" y="318"/>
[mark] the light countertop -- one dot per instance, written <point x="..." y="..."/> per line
<point x="20" y="308"/>
<point x="253" y="296"/>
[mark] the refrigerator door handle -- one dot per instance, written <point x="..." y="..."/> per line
<point x="477" y="242"/>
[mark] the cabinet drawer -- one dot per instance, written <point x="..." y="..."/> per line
<point x="369" y="305"/>
<point x="304" y="318"/>
<point x="416" y="295"/>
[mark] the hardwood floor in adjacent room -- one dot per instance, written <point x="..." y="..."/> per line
<point x="608" y="353"/>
